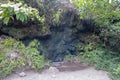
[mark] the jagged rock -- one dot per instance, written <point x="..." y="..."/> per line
<point x="12" y="55"/>
<point x="51" y="7"/>
<point x="51" y="70"/>
<point x="22" y="74"/>
<point x="62" y="39"/>
<point x="48" y="8"/>
<point x="22" y="32"/>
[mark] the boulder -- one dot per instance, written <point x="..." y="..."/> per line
<point x="61" y="17"/>
<point x="22" y="74"/>
<point x="61" y="20"/>
<point x="57" y="13"/>
<point x="29" y="31"/>
<point x="50" y="8"/>
<point x="51" y="70"/>
<point x="12" y="55"/>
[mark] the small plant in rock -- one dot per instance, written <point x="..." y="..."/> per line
<point x="69" y="58"/>
<point x="56" y="18"/>
<point x="72" y="58"/>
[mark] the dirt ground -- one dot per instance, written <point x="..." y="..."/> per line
<point x="63" y="71"/>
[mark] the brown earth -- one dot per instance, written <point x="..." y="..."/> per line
<point x="63" y="71"/>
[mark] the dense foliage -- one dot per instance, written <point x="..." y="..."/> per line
<point x="14" y="54"/>
<point x="101" y="49"/>
<point x="102" y="59"/>
<point x="11" y="12"/>
<point x="101" y="12"/>
<point x="20" y="11"/>
<point x="106" y="18"/>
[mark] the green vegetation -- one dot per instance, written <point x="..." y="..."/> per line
<point x="20" y="11"/>
<point x="14" y="54"/>
<point x="101" y="12"/>
<point x="56" y="18"/>
<point x="106" y="18"/>
<point x="101" y="58"/>
<point x="100" y="49"/>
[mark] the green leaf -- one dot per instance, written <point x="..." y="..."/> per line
<point x="18" y="16"/>
<point x="6" y="20"/>
<point x="22" y="18"/>
<point x="25" y="16"/>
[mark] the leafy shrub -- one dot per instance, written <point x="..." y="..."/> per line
<point x="110" y="37"/>
<point x="102" y="12"/>
<point x="102" y="58"/>
<point x="21" y="12"/>
<point x="69" y="58"/>
<point x="116" y="73"/>
<point x="72" y="58"/>
<point x="106" y="18"/>
<point x="14" y="54"/>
